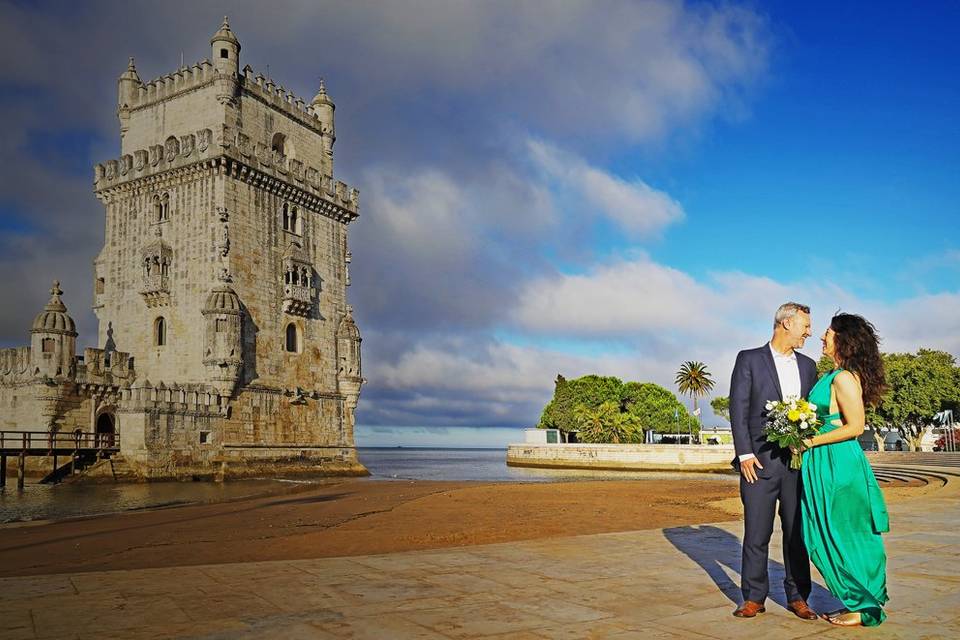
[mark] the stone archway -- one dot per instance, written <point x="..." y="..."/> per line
<point x="106" y="429"/>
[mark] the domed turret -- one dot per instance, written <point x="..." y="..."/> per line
<point x="323" y="106"/>
<point x="54" y="317"/>
<point x="349" y="379"/>
<point x="225" y="49"/>
<point x="53" y="338"/>
<point x="128" y="85"/>
<point x="222" y="299"/>
<point x="222" y="347"/>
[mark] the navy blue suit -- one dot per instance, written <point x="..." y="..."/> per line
<point x="753" y="384"/>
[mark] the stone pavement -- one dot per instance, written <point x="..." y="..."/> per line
<point x="657" y="584"/>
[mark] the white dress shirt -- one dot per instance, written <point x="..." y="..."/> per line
<point x="788" y="373"/>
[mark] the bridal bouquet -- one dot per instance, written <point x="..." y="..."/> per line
<point x="789" y="423"/>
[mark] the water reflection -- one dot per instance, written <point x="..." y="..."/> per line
<point x="38" y="502"/>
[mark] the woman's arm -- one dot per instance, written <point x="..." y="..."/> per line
<point x="849" y="396"/>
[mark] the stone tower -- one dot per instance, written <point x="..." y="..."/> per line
<point x="224" y="271"/>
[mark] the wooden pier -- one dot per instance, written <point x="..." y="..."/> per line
<point x="73" y="447"/>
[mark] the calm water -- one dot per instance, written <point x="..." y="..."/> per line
<point x="41" y="502"/>
<point x="424" y="463"/>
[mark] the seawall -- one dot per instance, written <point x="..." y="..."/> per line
<point x="625" y="457"/>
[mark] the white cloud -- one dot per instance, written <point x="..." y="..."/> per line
<point x="634" y="205"/>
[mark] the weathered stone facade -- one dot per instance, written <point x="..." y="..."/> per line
<point x="227" y="345"/>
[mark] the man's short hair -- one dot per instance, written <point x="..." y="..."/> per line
<point x="787" y="310"/>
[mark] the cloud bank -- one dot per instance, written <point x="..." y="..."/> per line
<point x="481" y="135"/>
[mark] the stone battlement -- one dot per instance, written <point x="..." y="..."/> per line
<point x="182" y="151"/>
<point x="15" y="364"/>
<point x="279" y="98"/>
<point x="195" y="399"/>
<point x="173" y="84"/>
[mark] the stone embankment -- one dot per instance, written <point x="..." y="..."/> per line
<point x="624" y="457"/>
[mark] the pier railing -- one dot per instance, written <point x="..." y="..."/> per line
<point x="71" y="445"/>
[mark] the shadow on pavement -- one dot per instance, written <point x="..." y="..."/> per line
<point x="714" y="548"/>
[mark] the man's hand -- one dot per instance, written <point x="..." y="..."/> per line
<point x="749" y="469"/>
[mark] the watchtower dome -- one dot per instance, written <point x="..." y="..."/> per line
<point x="225" y="50"/>
<point x="53" y="338"/>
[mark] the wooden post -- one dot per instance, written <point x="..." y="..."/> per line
<point x="3" y="470"/>
<point x="23" y="463"/>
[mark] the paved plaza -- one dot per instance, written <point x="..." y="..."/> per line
<point x="668" y="583"/>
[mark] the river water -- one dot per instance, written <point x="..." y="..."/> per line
<point x="43" y="502"/>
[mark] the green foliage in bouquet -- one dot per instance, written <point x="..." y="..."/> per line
<point x="789" y="423"/>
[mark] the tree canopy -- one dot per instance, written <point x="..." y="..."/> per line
<point x="721" y="407"/>
<point x="604" y="409"/>
<point x="920" y="385"/>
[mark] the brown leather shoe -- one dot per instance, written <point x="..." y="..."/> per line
<point x="800" y="609"/>
<point x="749" y="609"/>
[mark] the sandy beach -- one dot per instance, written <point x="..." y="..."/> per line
<point x="357" y="517"/>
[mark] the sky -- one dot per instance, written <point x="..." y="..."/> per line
<point x="546" y="187"/>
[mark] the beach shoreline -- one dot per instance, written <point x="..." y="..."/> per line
<point x="360" y="517"/>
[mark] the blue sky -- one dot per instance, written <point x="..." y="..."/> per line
<point x="574" y="188"/>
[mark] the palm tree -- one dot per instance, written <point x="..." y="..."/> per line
<point x="694" y="380"/>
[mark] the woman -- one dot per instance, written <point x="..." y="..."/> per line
<point x="843" y="509"/>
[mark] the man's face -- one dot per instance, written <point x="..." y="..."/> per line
<point x="798" y="328"/>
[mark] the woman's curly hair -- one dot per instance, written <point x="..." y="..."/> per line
<point x="857" y="349"/>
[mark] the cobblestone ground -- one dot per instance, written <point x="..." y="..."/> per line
<point x="669" y="583"/>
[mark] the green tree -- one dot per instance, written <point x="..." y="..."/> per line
<point x="606" y="424"/>
<point x="825" y="365"/>
<point x="657" y="408"/>
<point x="694" y="380"/>
<point x="920" y="385"/>
<point x="721" y="407"/>
<point x="590" y="391"/>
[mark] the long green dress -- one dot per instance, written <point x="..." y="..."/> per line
<point x="843" y="517"/>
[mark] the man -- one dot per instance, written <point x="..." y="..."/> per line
<point x="774" y="371"/>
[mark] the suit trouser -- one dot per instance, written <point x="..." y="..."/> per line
<point x="759" y="507"/>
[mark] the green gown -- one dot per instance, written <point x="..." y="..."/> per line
<point x="843" y="517"/>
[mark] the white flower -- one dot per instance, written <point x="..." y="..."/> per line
<point x="769" y="406"/>
<point x="803" y="425"/>
<point x="812" y="406"/>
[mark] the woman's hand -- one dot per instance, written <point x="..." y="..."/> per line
<point x="804" y="445"/>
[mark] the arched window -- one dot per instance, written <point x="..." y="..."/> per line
<point x="47" y="345"/>
<point x="160" y="332"/>
<point x="161" y="207"/>
<point x="292" y="342"/>
<point x="279" y="143"/>
<point x="294" y="221"/>
<point x="221" y="325"/>
<point x="286" y="217"/>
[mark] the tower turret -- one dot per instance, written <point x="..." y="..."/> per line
<point x="349" y="378"/>
<point x="222" y="319"/>
<point x="226" y="50"/>
<point x="128" y="85"/>
<point x="323" y="107"/>
<point x="53" y="338"/>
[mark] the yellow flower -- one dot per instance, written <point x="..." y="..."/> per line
<point x="793" y="415"/>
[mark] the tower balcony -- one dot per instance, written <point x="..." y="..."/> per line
<point x="298" y="299"/>
<point x="156" y="290"/>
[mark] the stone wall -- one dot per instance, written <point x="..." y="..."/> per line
<point x="624" y="457"/>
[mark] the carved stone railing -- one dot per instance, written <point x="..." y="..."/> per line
<point x="298" y="299"/>
<point x="156" y="290"/>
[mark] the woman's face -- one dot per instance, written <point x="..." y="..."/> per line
<point x="829" y="349"/>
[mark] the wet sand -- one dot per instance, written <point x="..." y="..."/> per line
<point x="359" y="517"/>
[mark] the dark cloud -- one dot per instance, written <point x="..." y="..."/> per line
<point x="437" y="104"/>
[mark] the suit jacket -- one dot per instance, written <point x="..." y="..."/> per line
<point x="753" y="384"/>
